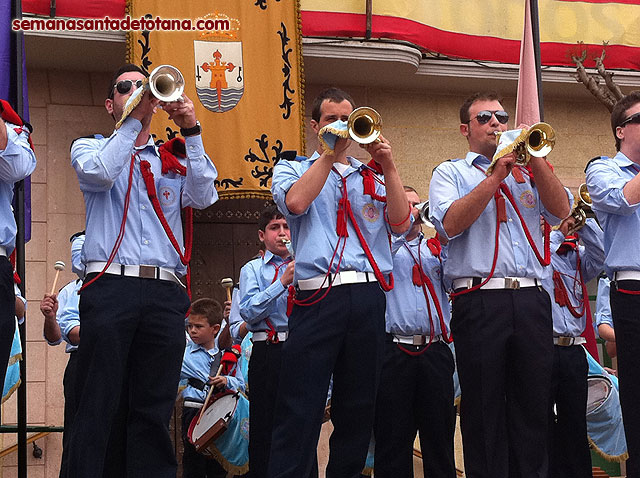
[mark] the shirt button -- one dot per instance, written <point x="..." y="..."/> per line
<point x="144" y="207"/>
<point x="146" y="242"/>
<point x="510" y="220"/>
<point x="419" y="308"/>
<point x="516" y="243"/>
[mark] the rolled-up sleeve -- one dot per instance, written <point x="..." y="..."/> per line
<point x="605" y="185"/>
<point x="199" y="187"/>
<point x="17" y="160"/>
<point x="285" y="174"/>
<point x="443" y="192"/>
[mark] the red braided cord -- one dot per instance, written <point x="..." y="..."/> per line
<point x="123" y="224"/>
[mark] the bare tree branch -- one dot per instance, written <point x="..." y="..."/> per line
<point x="591" y="83"/>
<point x="616" y="92"/>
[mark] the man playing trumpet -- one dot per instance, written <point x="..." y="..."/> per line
<point x="501" y="318"/>
<point x="132" y="303"/>
<point x="335" y="207"/>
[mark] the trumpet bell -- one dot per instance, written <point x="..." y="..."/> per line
<point x="364" y="125"/>
<point x="540" y="140"/>
<point x="423" y="213"/>
<point x="583" y="195"/>
<point x="166" y="83"/>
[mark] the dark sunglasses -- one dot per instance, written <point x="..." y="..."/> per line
<point x="124" y="86"/>
<point x="484" y="116"/>
<point x="633" y="119"/>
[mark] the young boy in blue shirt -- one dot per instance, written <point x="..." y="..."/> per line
<point x="263" y="307"/>
<point x="201" y="357"/>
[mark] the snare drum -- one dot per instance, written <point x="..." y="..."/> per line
<point x="212" y="423"/>
<point x="604" y="416"/>
<point x="223" y="432"/>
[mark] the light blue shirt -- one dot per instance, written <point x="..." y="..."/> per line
<point x="197" y="364"/>
<point x="406" y="304"/>
<point x="68" y="315"/>
<point x="313" y="233"/>
<point x="603" y="304"/>
<point x="620" y="220"/>
<point x="17" y="161"/>
<point x="471" y="252"/>
<point x="235" y="319"/>
<point x="261" y="296"/>
<point x="102" y="166"/>
<point x="591" y="263"/>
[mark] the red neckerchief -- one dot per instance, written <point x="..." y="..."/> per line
<point x="344" y="215"/>
<point x="229" y="360"/>
<point x="570" y="243"/>
<point x="421" y="279"/>
<point x="501" y="216"/>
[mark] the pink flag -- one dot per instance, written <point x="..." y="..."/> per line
<point x="527" y="106"/>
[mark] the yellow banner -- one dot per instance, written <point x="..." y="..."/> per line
<point x="242" y="63"/>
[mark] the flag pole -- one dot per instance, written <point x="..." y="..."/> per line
<point x="20" y="250"/>
<point x="535" y="29"/>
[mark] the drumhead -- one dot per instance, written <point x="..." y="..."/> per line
<point x="598" y="390"/>
<point x="223" y="408"/>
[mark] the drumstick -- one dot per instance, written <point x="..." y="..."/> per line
<point x="58" y="266"/>
<point x="227" y="283"/>
<point x="206" y="400"/>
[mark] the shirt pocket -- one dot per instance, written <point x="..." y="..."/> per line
<point x="168" y="192"/>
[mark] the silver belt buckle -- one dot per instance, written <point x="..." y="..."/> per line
<point x="348" y="277"/>
<point x="419" y="340"/>
<point x="148" y="272"/>
<point x="511" y="283"/>
<point x="565" y="341"/>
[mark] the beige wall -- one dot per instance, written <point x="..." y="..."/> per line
<point x="422" y="127"/>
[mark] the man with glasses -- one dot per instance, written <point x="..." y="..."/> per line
<point x="614" y="186"/>
<point x="132" y="303"/>
<point x="501" y="318"/>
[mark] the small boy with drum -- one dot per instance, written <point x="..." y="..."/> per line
<point x="203" y="368"/>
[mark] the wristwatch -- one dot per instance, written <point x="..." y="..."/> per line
<point x="194" y="130"/>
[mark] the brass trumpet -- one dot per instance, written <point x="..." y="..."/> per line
<point x="423" y="213"/>
<point x="582" y="208"/>
<point x="165" y="83"/>
<point x="537" y="141"/>
<point x="364" y="125"/>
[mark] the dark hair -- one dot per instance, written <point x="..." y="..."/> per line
<point x="410" y="189"/>
<point x="77" y="234"/>
<point x="335" y="95"/>
<point x="267" y="215"/>
<point x="479" y="96"/>
<point x="619" y="112"/>
<point x="123" y="69"/>
<point x="209" y="308"/>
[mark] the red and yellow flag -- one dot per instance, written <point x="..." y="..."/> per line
<point x="489" y="30"/>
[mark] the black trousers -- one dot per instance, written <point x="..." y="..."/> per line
<point x="504" y="351"/>
<point x="344" y="335"/>
<point x="69" y="383"/>
<point x="194" y="464"/>
<point x="7" y="314"/>
<point x="129" y="360"/>
<point x="264" y="377"/>
<point x="569" y="453"/>
<point x="415" y="394"/>
<point x="626" y="320"/>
